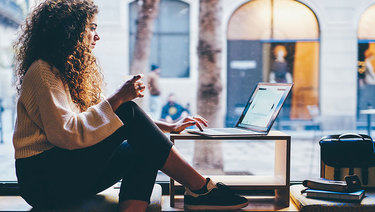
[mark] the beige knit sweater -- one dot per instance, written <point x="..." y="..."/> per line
<point x="47" y="116"/>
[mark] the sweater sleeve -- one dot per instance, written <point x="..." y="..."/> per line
<point x="64" y="127"/>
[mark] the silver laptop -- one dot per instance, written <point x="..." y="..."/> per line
<point x="258" y="115"/>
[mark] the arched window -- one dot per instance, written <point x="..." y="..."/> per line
<point x="366" y="62"/>
<point x="275" y="41"/>
<point x="170" y="40"/>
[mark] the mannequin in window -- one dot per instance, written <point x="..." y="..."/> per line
<point x="279" y="67"/>
<point x="369" y="75"/>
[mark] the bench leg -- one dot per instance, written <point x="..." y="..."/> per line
<point x="282" y="196"/>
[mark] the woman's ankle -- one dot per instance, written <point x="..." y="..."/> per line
<point x="203" y="189"/>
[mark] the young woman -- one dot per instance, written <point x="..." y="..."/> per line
<point x="70" y="142"/>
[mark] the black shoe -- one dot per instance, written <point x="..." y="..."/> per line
<point x="218" y="197"/>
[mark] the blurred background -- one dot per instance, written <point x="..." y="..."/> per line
<point x="211" y="54"/>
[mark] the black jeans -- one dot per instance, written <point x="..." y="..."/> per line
<point x="134" y="153"/>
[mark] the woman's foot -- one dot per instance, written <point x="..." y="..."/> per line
<point x="217" y="197"/>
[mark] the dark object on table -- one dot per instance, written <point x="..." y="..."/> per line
<point x="348" y="150"/>
<point x="352" y="183"/>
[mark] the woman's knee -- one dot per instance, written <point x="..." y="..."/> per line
<point x="126" y="110"/>
<point x="131" y="103"/>
<point x="126" y="106"/>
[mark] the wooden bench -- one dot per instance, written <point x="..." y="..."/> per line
<point x="105" y="201"/>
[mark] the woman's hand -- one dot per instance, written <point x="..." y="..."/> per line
<point x="188" y="121"/>
<point x="131" y="89"/>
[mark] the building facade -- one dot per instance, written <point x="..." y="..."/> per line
<point x="337" y="36"/>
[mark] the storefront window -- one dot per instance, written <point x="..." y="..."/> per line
<point x="366" y="62"/>
<point x="267" y="40"/>
<point x="275" y="41"/>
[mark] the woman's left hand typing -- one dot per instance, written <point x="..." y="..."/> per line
<point x="188" y="121"/>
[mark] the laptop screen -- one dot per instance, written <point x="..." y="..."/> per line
<point x="263" y="106"/>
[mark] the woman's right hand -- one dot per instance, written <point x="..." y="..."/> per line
<point x="130" y="90"/>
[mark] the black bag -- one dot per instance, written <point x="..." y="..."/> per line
<point x="348" y="150"/>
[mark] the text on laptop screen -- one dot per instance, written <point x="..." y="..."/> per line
<point x="263" y="107"/>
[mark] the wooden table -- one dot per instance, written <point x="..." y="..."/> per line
<point x="279" y="182"/>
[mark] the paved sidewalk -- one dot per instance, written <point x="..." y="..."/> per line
<point x="257" y="157"/>
<point x="239" y="157"/>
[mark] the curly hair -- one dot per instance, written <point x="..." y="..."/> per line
<point x="55" y="31"/>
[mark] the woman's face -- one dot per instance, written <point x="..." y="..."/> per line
<point x="92" y="34"/>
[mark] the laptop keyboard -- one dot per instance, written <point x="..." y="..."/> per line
<point x="226" y="130"/>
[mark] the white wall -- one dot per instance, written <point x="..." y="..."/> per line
<point x="112" y="49"/>
<point x="7" y="89"/>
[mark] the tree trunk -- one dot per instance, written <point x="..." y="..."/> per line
<point x="148" y="11"/>
<point x="210" y="53"/>
<point x="208" y="155"/>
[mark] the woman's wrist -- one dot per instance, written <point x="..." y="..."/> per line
<point x="114" y="101"/>
<point x="164" y="126"/>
